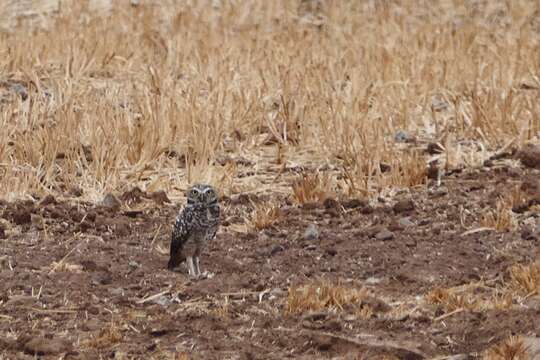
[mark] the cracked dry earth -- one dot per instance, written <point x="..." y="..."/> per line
<point x="83" y="281"/>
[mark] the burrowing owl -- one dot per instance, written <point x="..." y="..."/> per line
<point x="196" y="224"/>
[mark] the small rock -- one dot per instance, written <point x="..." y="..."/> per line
<point x="406" y="222"/>
<point x="134" y="265"/>
<point x="110" y="201"/>
<point x="331" y="252"/>
<point x="116" y="291"/>
<point x="162" y="300"/>
<point x="310" y="247"/>
<point x="459" y="357"/>
<point x="276" y="249"/>
<point x="404" y="205"/>
<point x="529" y="156"/>
<point x="402" y="136"/>
<point x="311" y="233"/>
<point x="373" y="280"/>
<point x="384" y="235"/>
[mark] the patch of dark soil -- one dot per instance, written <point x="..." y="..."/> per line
<point x="81" y="269"/>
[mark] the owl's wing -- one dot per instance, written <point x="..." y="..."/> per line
<point x="180" y="234"/>
<point x="215" y="211"/>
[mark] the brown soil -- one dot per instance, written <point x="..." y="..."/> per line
<point x="76" y="278"/>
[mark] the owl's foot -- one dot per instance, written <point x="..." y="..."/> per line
<point x="207" y="275"/>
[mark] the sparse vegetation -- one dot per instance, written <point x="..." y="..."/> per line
<point x="501" y="218"/>
<point x="512" y="348"/>
<point x="325" y="295"/>
<point x="311" y="188"/>
<point x="526" y="278"/>
<point x="347" y="104"/>
<point x="264" y="215"/>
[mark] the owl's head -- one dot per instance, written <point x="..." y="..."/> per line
<point x="202" y="194"/>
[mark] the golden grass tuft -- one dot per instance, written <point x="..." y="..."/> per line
<point x="512" y="348"/>
<point x="309" y="188"/>
<point x="526" y="278"/>
<point x="471" y="297"/>
<point x="324" y="295"/>
<point x="449" y="301"/>
<point x="501" y="218"/>
<point x="264" y="215"/>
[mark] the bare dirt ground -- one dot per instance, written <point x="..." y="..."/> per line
<point x="85" y="281"/>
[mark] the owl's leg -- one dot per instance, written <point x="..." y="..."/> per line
<point x="197" y="268"/>
<point x="191" y="267"/>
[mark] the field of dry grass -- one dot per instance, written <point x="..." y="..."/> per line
<point x="297" y="111"/>
<point x="160" y="96"/>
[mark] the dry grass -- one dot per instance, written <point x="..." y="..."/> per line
<point x="129" y="99"/>
<point x="471" y="297"/>
<point x="324" y="295"/>
<point x="449" y="301"/>
<point x="526" y="278"/>
<point x="512" y="348"/>
<point x="264" y="216"/>
<point x="309" y="188"/>
<point x="501" y="218"/>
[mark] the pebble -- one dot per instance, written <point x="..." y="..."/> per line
<point x="276" y="249"/>
<point x="404" y="205"/>
<point x="373" y="280"/>
<point x="116" y="291"/>
<point x="406" y="222"/>
<point x="110" y="201"/>
<point x="384" y="235"/>
<point x="162" y="300"/>
<point x="311" y="233"/>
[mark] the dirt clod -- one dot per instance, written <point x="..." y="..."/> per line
<point x="22" y="216"/>
<point x="47" y="200"/>
<point x="43" y="346"/>
<point x="404" y="205"/>
<point x="529" y="156"/>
